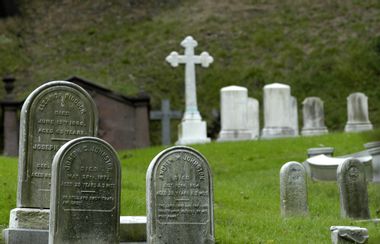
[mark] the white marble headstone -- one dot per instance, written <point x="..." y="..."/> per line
<point x="253" y="118"/>
<point x="277" y="111"/>
<point x="234" y="114"/>
<point x="294" y="114"/>
<point x="313" y="117"/>
<point x="357" y="113"/>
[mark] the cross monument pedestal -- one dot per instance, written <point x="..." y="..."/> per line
<point x="192" y="130"/>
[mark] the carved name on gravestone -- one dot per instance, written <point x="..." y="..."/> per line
<point x="53" y="114"/>
<point x="293" y="190"/>
<point x="179" y="198"/>
<point x="353" y="190"/>
<point x="85" y="198"/>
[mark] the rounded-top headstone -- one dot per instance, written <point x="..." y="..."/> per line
<point x="179" y="198"/>
<point x="293" y="190"/>
<point x="352" y="184"/>
<point x="277" y="86"/>
<point x="233" y="88"/>
<point x="52" y="114"/>
<point x="85" y="198"/>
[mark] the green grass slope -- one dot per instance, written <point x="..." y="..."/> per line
<point x="321" y="48"/>
<point x="246" y="189"/>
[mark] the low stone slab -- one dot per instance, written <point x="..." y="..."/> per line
<point x="348" y="234"/>
<point x="133" y="228"/>
<point x="29" y="218"/>
<point x="85" y="193"/>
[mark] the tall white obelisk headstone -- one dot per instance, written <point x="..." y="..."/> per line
<point x="192" y="129"/>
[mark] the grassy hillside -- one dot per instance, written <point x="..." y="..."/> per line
<point x="246" y="189"/>
<point x="321" y="48"/>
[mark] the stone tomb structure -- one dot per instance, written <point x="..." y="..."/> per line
<point x="85" y="198"/>
<point x="293" y="190"/>
<point x="120" y="116"/>
<point x="348" y="234"/>
<point x="357" y="113"/>
<point x="277" y="112"/>
<point x="192" y="129"/>
<point x="313" y="117"/>
<point x="353" y="190"/>
<point x="179" y="198"/>
<point x="52" y="115"/>
<point x="234" y="114"/>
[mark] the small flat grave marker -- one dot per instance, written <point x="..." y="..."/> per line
<point x="85" y="198"/>
<point x="179" y="198"/>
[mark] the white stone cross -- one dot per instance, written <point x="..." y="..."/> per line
<point x="190" y="60"/>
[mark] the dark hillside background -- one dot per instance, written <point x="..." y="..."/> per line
<point x="320" y="48"/>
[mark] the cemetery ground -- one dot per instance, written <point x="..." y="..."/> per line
<point x="246" y="189"/>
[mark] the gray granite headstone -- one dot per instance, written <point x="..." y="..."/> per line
<point x="348" y="234"/>
<point x="53" y="114"/>
<point x="357" y="113"/>
<point x="179" y="198"/>
<point x="313" y="117"/>
<point x="353" y="190"/>
<point x="293" y="190"/>
<point x="85" y="196"/>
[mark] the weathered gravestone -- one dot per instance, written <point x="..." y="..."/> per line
<point x="192" y="129"/>
<point x="313" y="117"/>
<point x="85" y="197"/>
<point x="53" y="114"/>
<point x="357" y="113"/>
<point x="293" y="190"/>
<point x="277" y="111"/>
<point x="165" y="114"/>
<point x="179" y="198"/>
<point x="294" y="114"/>
<point x="353" y="190"/>
<point x="234" y="114"/>
<point x="253" y="118"/>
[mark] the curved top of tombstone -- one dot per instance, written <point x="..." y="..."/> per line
<point x="355" y="94"/>
<point x="312" y="99"/>
<point x="153" y="164"/>
<point x="289" y="165"/>
<point x="234" y="88"/>
<point x="276" y="86"/>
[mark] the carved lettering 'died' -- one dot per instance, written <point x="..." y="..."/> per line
<point x="52" y="115"/>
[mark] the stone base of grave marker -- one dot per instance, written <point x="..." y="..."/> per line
<point x="277" y="132"/>
<point x="348" y="234"/>
<point x="25" y="236"/>
<point x="353" y="127"/>
<point x="373" y="149"/>
<point x="27" y="225"/>
<point x="132" y="229"/>
<point x="235" y="135"/>
<point x="192" y="132"/>
<point x="314" y="131"/>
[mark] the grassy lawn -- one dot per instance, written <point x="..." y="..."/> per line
<point x="246" y="185"/>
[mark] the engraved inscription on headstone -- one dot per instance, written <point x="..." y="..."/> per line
<point x="53" y="114"/>
<point x="293" y="190"/>
<point x="353" y="190"/>
<point x="179" y="198"/>
<point x="85" y="198"/>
